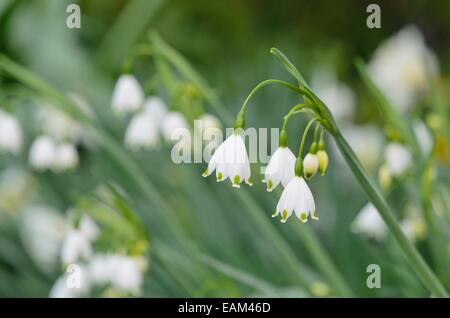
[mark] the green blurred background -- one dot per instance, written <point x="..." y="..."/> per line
<point x="207" y="239"/>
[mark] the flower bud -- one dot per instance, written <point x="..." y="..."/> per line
<point x="322" y="156"/>
<point x="311" y="162"/>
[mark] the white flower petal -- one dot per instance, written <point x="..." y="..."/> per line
<point x="128" y="95"/>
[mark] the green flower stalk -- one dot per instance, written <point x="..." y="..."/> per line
<point x="414" y="258"/>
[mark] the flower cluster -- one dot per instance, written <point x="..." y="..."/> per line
<point x="230" y="161"/>
<point x="112" y="267"/>
<point x="152" y="120"/>
<point x="55" y="146"/>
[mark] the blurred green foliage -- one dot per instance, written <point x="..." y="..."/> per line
<point x="215" y="241"/>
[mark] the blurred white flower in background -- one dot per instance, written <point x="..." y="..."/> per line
<point x="156" y="108"/>
<point x="76" y="246"/>
<point x="398" y="158"/>
<point x="128" y="95"/>
<point x="16" y="187"/>
<point x="414" y="228"/>
<point x="11" y="138"/>
<point x="142" y="132"/>
<point x="338" y="96"/>
<point x="401" y="67"/>
<point x="77" y="243"/>
<point x="366" y="141"/>
<point x="424" y="137"/>
<point x="209" y="121"/>
<point x="369" y="222"/>
<point x="66" y="157"/>
<point x="171" y="122"/>
<point x="121" y="271"/>
<point x="58" y="125"/>
<point x="62" y="289"/>
<point x="47" y="154"/>
<point x="42" y="232"/>
<point x="42" y="153"/>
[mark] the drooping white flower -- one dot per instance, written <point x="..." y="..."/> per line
<point x="142" y="132"/>
<point x="424" y="137"/>
<point x="413" y="227"/>
<point x="11" y="138"/>
<point x="171" y="122"/>
<point x="128" y="95"/>
<point x="156" y="109"/>
<point x="338" y="96"/>
<point x="66" y="157"/>
<point x="280" y="168"/>
<point x="231" y="161"/>
<point x="296" y="197"/>
<point x="88" y="227"/>
<point x="369" y="222"/>
<point x="42" y="232"/>
<point x="42" y="153"/>
<point x="401" y="66"/>
<point x="76" y="246"/>
<point x="121" y="271"/>
<point x="58" y="125"/>
<point x="398" y="158"/>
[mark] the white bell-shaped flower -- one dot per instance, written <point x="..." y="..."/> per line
<point x="398" y="158"/>
<point x="75" y="246"/>
<point x="231" y="161"/>
<point x="369" y="222"/>
<point x="402" y="67"/>
<point x="121" y="271"/>
<point x="142" y="132"/>
<point x="128" y="95"/>
<point x="171" y="122"/>
<point x="280" y="168"/>
<point x="296" y="197"/>
<point x="156" y="109"/>
<point x="66" y="157"/>
<point x="42" y="153"/>
<point x="11" y="138"/>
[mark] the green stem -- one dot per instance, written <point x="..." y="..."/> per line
<point x="293" y="111"/>
<point x="269" y="82"/>
<point x="305" y="133"/>
<point x="412" y="255"/>
<point x="135" y="52"/>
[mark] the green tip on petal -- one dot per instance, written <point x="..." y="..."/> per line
<point x="303" y="217"/>
<point x="269" y="185"/>
<point x="236" y="180"/>
<point x="314" y="216"/>
<point x="284" y="216"/>
<point x="274" y="214"/>
<point x="219" y="176"/>
<point x="205" y="173"/>
<point x="249" y="181"/>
